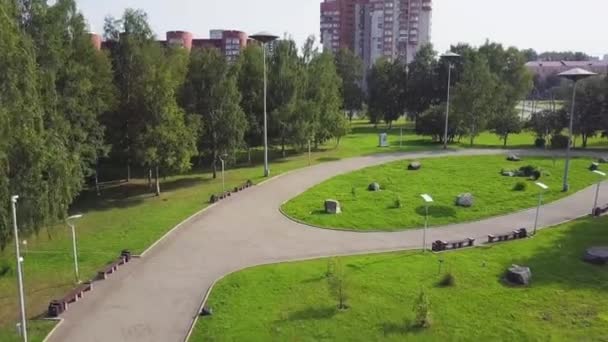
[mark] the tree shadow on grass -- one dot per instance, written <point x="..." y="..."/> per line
<point x="558" y="257"/>
<point x="407" y="327"/>
<point x="312" y="313"/>
<point x="437" y="211"/>
<point x="328" y="159"/>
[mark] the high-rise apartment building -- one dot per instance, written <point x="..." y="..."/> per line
<point x="376" y="28"/>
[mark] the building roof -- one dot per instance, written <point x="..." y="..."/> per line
<point x="570" y="64"/>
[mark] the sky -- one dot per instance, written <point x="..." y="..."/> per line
<point x="544" y="25"/>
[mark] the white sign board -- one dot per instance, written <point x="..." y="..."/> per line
<point x="383" y="140"/>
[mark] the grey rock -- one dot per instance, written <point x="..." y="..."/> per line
<point x="594" y="166"/>
<point x="513" y="157"/>
<point x="596" y="255"/>
<point x="519" y="275"/>
<point x="332" y="207"/>
<point x="465" y="200"/>
<point x="374" y="187"/>
<point x="603" y="160"/>
<point x="508" y="173"/>
<point x="414" y="166"/>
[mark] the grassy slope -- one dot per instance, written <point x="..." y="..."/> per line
<point x="568" y="299"/>
<point x="126" y="217"/>
<point x="444" y="179"/>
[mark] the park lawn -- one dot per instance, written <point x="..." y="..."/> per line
<point x="443" y="179"/>
<point x="567" y="300"/>
<point x="126" y="216"/>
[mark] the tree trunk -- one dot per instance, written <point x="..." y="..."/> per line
<point x="97" y="183"/>
<point x="128" y="171"/>
<point x="505" y="140"/>
<point x="585" y="137"/>
<point x="214" y="164"/>
<point x="283" y="146"/>
<point x="249" y="155"/>
<point x="157" y="183"/>
<point x="150" y="178"/>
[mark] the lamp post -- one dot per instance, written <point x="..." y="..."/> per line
<point x="573" y="75"/>
<point x="597" y="191"/>
<point x="23" y="326"/>
<point x="265" y="38"/>
<point x="74" y="249"/>
<point x="223" y="178"/>
<point x="540" y="201"/>
<point x="450" y="57"/>
<point x="427" y="201"/>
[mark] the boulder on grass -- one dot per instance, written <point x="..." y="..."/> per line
<point x="519" y="275"/>
<point x="594" y="166"/>
<point x="374" y="187"/>
<point x="596" y="255"/>
<point x="513" y="158"/>
<point x="465" y="200"/>
<point x="603" y="160"/>
<point x="414" y="166"/>
<point x="507" y="173"/>
<point x="332" y="207"/>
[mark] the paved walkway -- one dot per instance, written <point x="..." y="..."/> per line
<point x="156" y="297"/>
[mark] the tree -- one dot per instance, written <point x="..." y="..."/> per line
<point x="422" y="82"/>
<point x="590" y="98"/>
<point x="506" y="124"/>
<point x="473" y="100"/>
<point x="422" y="310"/>
<point x="432" y="123"/>
<point x="337" y="283"/>
<point x="350" y="69"/>
<point x="546" y="123"/>
<point x="251" y="87"/>
<point x="211" y="93"/>
<point x="387" y="90"/>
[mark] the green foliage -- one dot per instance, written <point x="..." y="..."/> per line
<point x="351" y="70"/>
<point x="387" y="92"/>
<point x="520" y="186"/>
<point x="540" y="142"/>
<point x="250" y="83"/>
<point x="422" y="311"/>
<point x="337" y="282"/>
<point x="559" y="141"/>
<point x="423" y="80"/>
<point x="447" y="280"/>
<point x="397" y="203"/>
<point x="432" y="123"/>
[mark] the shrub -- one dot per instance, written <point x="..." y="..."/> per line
<point x="520" y="186"/>
<point x="398" y="203"/>
<point x="422" y="310"/>
<point x="447" y="280"/>
<point x="540" y="142"/>
<point x="559" y="141"/>
<point x="527" y="171"/>
<point x="536" y="175"/>
<point x="337" y="282"/>
<point x="353" y="191"/>
<point x="4" y="268"/>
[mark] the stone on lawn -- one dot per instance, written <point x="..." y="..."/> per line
<point x="332" y="207"/>
<point x="594" y="166"/>
<point x="519" y="275"/>
<point x="603" y="160"/>
<point x="414" y="166"/>
<point x="374" y="187"/>
<point x="596" y="255"/>
<point x="513" y="157"/>
<point x="465" y="200"/>
<point x="508" y="173"/>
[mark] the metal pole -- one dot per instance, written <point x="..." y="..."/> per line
<point x="567" y="169"/>
<point x="223" y="179"/>
<point x="597" y="196"/>
<point x="401" y="137"/>
<point x="266" y="169"/>
<point x="426" y="223"/>
<point x="19" y="269"/>
<point x="309" y="154"/>
<point x="540" y="200"/>
<point x="447" y="109"/>
<point x="74" y="251"/>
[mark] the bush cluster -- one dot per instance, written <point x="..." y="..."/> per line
<point x="520" y="186"/>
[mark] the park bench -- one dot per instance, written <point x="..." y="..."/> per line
<point x="439" y="245"/>
<point x="58" y="306"/>
<point x="513" y="235"/>
<point x="111" y="268"/>
<point x="601" y="210"/>
<point x="218" y="197"/>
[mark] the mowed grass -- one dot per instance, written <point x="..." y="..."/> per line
<point x="126" y="216"/>
<point x="567" y="300"/>
<point x="443" y="179"/>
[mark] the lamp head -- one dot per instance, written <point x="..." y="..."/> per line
<point x="75" y="217"/>
<point x="14" y="198"/>
<point x="264" y="37"/>
<point x="576" y="74"/>
<point x="450" y="56"/>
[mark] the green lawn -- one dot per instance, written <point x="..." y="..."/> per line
<point x="567" y="301"/>
<point x="443" y="179"/>
<point x="127" y="216"/>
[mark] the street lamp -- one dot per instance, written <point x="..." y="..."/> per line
<point x="450" y="57"/>
<point x="540" y="201"/>
<point x="223" y="178"/>
<point x="265" y="38"/>
<point x="23" y="326"/>
<point x="427" y="201"/>
<point x="573" y="75"/>
<point x="74" y="250"/>
<point x="597" y="191"/>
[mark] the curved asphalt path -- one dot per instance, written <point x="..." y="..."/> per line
<point x="156" y="297"/>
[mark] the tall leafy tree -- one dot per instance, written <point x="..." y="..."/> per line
<point x="423" y="82"/>
<point x="211" y="93"/>
<point x="351" y="70"/>
<point x="473" y="100"/>
<point x="588" y="108"/>
<point x="387" y="91"/>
